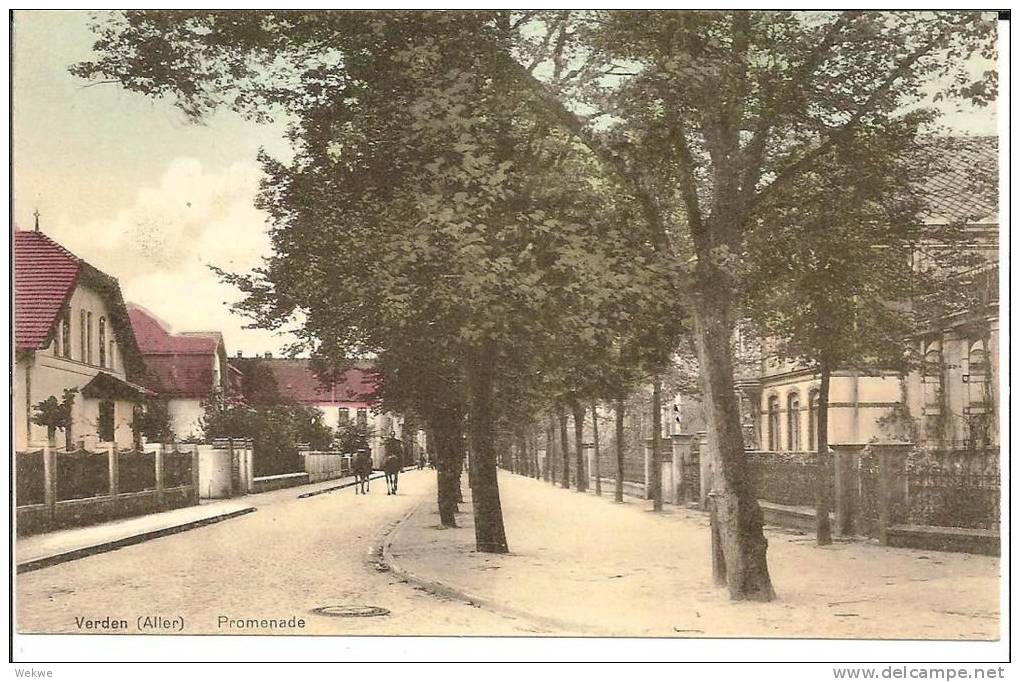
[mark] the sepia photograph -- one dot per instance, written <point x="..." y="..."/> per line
<point x="580" y="325"/>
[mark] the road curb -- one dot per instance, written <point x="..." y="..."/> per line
<point x="382" y="559"/>
<point x="111" y="545"/>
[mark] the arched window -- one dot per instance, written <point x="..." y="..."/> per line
<point x="110" y="357"/>
<point x="65" y="334"/>
<point x="813" y="419"/>
<point x="793" y="422"/>
<point x="102" y="342"/>
<point x="81" y="333"/>
<point x="773" y="427"/>
<point x="88" y="338"/>
<point x="977" y="369"/>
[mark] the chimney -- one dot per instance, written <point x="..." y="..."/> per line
<point x="268" y="355"/>
<point x="240" y="354"/>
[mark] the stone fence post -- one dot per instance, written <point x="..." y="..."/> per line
<point x="50" y="480"/>
<point x="158" y="456"/>
<point x="845" y="462"/>
<point x="706" y="460"/>
<point x="681" y="457"/>
<point x="111" y="450"/>
<point x="195" y="480"/>
<point x="891" y="482"/>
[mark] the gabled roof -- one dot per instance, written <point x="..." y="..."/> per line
<point x="176" y="365"/>
<point x="964" y="188"/>
<point x="154" y="338"/>
<point x="45" y="275"/>
<point x="296" y="380"/>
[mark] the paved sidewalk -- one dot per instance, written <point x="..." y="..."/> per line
<point x="618" y="569"/>
<point x="47" y="549"/>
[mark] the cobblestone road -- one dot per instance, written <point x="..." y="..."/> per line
<point x="280" y="562"/>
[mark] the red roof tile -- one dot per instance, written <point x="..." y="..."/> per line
<point x="153" y="338"/>
<point x="176" y="365"/>
<point x="297" y="381"/>
<point x="44" y="277"/>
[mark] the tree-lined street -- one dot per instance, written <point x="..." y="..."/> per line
<point x="639" y="284"/>
<point x="593" y="568"/>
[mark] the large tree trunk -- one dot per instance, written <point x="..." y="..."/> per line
<point x="823" y="529"/>
<point x="656" y="472"/>
<point x="564" y="449"/>
<point x="490" y="535"/>
<point x="595" y="443"/>
<point x="740" y="518"/>
<point x="618" y="496"/>
<point x="581" y="478"/>
<point x="445" y="430"/>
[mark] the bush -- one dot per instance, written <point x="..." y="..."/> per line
<point x="275" y="431"/>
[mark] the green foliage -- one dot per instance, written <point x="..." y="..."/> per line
<point x="55" y="414"/>
<point x="352" y="437"/>
<point x="275" y="431"/>
<point x="153" y="421"/>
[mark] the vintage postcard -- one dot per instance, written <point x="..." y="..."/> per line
<point x="550" y="323"/>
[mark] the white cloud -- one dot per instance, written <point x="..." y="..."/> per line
<point x="160" y="247"/>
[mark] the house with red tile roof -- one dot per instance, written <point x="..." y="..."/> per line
<point x="184" y="369"/>
<point x="343" y="396"/>
<point x="71" y="331"/>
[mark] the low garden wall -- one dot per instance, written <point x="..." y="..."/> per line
<point x="59" y="489"/>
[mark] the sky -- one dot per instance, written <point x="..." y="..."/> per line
<point x="125" y="182"/>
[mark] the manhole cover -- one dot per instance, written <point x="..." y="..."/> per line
<point x="351" y="611"/>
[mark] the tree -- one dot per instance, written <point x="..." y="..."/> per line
<point x="275" y="431"/>
<point x="834" y="266"/>
<point x="711" y="113"/>
<point x="719" y="110"/>
<point x="57" y="414"/>
<point x="352" y="437"/>
<point x="153" y="421"/>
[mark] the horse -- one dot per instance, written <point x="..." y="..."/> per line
<point x="391" y="467"/>
<point x="362" y="466"/>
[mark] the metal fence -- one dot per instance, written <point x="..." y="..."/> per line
<point x="81" y="474"/>
<point x="952" y="499"/>
<point x="137" y="471"/>
<point x="31" y="477"/>
<point x="788" y="478"/>
<point x="177" y="469"/>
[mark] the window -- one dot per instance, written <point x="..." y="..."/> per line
<point x="362" y="417"/>
<point x="88" y="338"/>
<point x="793" y="422"/>
<point x="813" y="420"/>
<point x="111" y="363"/>
<point x="106" y="421"/>
<point x="65" y="334"/>
<point x="344" y="416"/>
<point x="773" y="429"/>
<point x="102" y="342"/>
<point x="82" y="331"/>
<point x="977" y="370"/>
